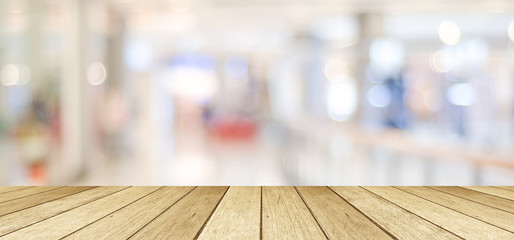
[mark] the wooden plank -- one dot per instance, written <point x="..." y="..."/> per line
<point x="285" y="216"/>
<point x="338" y="218"/>
<point x="510" y="188"/>
<point x="125" y="222"/>
<point x="493" y="191"/>
<point x="241" y="213"/>
<point x="17" y="220"/>
<point x="493" y="201"/>
<point x="396" y="220"/>
<point x="4" y="189"/>
<point x="40" y="198"/>
<point x="23" y="192"/>
<point x="456" y="222"/>
<point x="63" y="224"/>
<point x="237" y="216"/>
<point x="185" y="218"/>
<point x="483" y="212"/>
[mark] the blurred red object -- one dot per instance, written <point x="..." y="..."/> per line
<point x="233" y="129"/>
<point x="38" y="174"/>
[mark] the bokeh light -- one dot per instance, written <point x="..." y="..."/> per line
<point x="387" y="55"/>
<point x="9" y="75"/>
<point x="139" y="55"/>
<point x="510" y="30"/>
<point x="342" y="100"/>
<point x="330" y="92"/>
<point x="335" y="69"/>
<point x="96" y="73"/>
<point x="461" y="94"/>
<point x="449" y="33"/>
<point x="379" y="96"/>
<point x="438" y="61"/>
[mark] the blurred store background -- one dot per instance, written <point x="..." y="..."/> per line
<point x="269" y="92"/>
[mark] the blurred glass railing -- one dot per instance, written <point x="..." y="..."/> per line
<point x="352" y="155"/>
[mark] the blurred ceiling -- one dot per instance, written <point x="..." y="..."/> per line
<point x="363" y="6"/>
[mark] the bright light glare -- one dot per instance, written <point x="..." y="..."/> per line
<point x="461" y="94"/>
<point x="449" y="33"/>
<point x="387" y="55"/>
<point x="511" y="30"/>
<point x="138" y="56"/>
<point x="341" y="100"/>
<point x="439" y="61"/>
<point x="9" y="75"/>
<point x="435" y="62"/>
<point x="193" y="84"/>
<point x="335" y="69"/>
<point x="447" y="59"/>
<point x="379" y="96"/>
<point x="96" y="73"/>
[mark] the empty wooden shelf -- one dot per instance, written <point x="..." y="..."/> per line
<point x="188" y="212"/>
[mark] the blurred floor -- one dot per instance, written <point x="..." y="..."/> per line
<point x="332" y="158"/>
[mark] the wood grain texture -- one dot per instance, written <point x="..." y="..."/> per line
<point x="256" y="213"/>
<point x="479" y="211"/>
<point x="285" y="216"/>
<point x="493" y="191"/>
<point x="394" y="219"/>
<point x="4" y="189"/>
<point x="40" y="198"/>
<point x="26" y="217"/>
<point x="456" y="222"/>
<point x="509" y="188"/>
<point x="237" y="216"/>
<point x="63" y="224"/>
<point x="493" y="201"/>
<point x="125" y="222"/>
<point x="184" y="219"/>
<point x="23" y="192"/>
<point x="338" y="218"/>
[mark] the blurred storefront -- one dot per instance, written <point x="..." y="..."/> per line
<point x="226" y="92"/>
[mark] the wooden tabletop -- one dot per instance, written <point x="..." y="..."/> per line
<point x="118" y="212"/>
